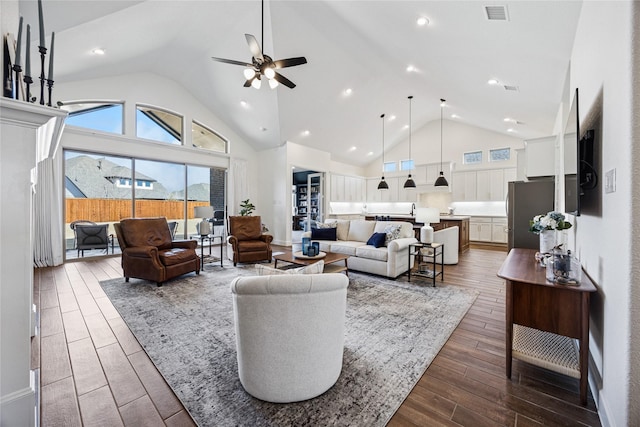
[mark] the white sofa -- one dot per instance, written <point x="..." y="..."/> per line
<point x="289" y="334"/>
<point x="352" y="236"/>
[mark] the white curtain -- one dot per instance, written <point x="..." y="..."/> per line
<point x="47" y="213"/>
<point x="239" y="184"/>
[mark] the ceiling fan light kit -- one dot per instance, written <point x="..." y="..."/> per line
<point x="441" y="181"/>
<point x="410" y="183"/>
<point x="264" y="65"/>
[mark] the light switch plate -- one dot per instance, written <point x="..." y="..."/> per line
<point x="610" y="181"/>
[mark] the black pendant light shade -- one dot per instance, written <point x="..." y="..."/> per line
<point x="383" y="184"/>
<point x="441" y="181"/>
<point x="410" y="183"/>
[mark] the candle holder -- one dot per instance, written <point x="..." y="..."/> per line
<point x="18" y="70"/>
<point x="49" y="87"/>
<point x="43" y="52"/>
<point x="28" y="81"/>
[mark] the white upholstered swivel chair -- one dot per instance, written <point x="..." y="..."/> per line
<point x="289" y="334"/>
<point x="448" y="236"/>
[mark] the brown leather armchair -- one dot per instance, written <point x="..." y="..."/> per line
<point x="247" y="241"/>
<point x="149" y="253"/>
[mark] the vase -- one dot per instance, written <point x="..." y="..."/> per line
<point x="547" y="241"/>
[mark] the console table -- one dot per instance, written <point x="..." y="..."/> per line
<point x="543" y="318"/>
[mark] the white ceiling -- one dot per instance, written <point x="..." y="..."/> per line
<point x="362" y="45"/>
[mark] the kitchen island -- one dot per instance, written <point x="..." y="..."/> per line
<point x="460" y="221"/>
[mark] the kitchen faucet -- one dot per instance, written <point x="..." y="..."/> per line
<point x="413" y="207"/>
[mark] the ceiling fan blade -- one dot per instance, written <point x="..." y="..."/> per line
<point x="283" y="80"/>
<point x="248" y="82"/>
<point x="233" y="62"/>
<point x="254" y="47"/>
<point x="290" y="62"/>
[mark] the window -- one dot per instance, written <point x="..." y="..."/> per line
<point x="390" y="167"/>
<point x="102" y="116"/>
<point x="205" y="138"/>
<point x="406" y="165"/>
<point x="472" y="157"/>
<point x="499" y="154"/>
<point x="158" y="125"/>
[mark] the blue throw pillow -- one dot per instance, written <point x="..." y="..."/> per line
<point x="323" y="234"/>
<point x="377" y="239"/>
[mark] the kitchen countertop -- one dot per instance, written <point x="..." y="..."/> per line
<point x="413" y="217"/>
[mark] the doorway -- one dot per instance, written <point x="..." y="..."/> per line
<point x="307" y="199"/>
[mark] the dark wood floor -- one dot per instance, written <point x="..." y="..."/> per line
<point x="93" y="371"/>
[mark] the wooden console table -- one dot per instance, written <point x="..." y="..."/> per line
<point x="546" y="317"/>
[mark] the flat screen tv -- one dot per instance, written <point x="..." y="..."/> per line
<point x="580" y="174"/>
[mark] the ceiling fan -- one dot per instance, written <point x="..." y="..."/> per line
<point x="264" y="65"/>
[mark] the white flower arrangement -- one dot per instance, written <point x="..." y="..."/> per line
<point x="551" y="221"/>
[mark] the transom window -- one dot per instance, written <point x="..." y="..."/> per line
<point x="406" y="165"/>
<point x="390" y="166"/>
<point x="499" y="154"/>
<point x="207" y="139"/>
<point x="96" y="115"/>
<point x="472" y="157"/>
<point x="158" y="125"/>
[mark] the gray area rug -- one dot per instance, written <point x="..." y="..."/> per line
<point x="394" y="330"/>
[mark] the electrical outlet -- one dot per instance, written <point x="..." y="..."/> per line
<point x="610" y="181"/>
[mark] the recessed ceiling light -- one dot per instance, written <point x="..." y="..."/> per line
<point x="353" y="148"/>
<point x="370" y="153"/>
<point x="405" y="127"/>
<point x="493" y="82"/>
<point x="510" y="120"/>
<point x="423" y="20"/>
<point x="244" y="103"/>
<point x="511" y="130"/>
<point x="348" y="91"/>
<point x="392" y="118"/>
<point x="411" y="69"/>
<point x="98" y="51"/>
<point x="455" y="116"/>
<point x="306" y="133"/>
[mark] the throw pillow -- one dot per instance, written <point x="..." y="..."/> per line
<point x="323" y="234"/>
<point x="377" y="239"/>
<point x="393" y="233"/>
<point x="265" y="270"/>
<point x="326" y="225"/>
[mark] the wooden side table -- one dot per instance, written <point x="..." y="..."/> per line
<point x="543" y="318"/>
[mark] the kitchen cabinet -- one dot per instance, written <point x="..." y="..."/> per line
<point x="347" y="188"/>
<point x="488" y="229"/>
<point x="540" y="157"/>
<point x="395" y="193"/>
<point x="499" y="230"/>
<point x="482" y="185"/>
<point x="464" y="186"/>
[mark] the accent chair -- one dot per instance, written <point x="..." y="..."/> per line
<point x="247" y="242"/>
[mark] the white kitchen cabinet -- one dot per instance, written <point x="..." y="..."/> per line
<point x="464" y="186"/>
<point x="419" y="174"/>
<point x="540" y="157"/>
<point x="347" y="188"/>
<point x="510" y="174"/>
<point x="390" y="195"/>
<point x="482" y="185"/>
<point x="499" y="230"/>
<point x="480" y="229"/>
<point x="337" y="188"/>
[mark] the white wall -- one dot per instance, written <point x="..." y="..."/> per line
<point x="608" y="238"/>
<point x="457" y="138"/>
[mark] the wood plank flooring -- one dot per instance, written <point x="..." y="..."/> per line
<point x="94" y="372"/>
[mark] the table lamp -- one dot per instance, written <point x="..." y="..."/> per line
<point x="427" y="216"/>
<point x="204" y="212"/>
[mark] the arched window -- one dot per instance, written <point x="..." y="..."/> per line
<point x="158" y="125"/>
<point x="105" y="116"/>
<point x="207" y="139"/>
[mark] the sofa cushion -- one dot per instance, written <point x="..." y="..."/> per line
<point x="252" y="246"/>
<point x="360" y="230"/>
<point x="323" y="233"/>
<point x="346" y="248"/>
<point x="370" y="252"/>
<point x="377" y="239"/>
<point x="406" y="228"/>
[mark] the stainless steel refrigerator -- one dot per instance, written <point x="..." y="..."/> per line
<point x="526" y="199"/>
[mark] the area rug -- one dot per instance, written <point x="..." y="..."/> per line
<point x="393" y="331"/>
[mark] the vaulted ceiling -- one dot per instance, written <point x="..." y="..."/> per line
<point x="365" y="46"/>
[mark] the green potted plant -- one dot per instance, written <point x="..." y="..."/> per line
<point x="246" y="208"/>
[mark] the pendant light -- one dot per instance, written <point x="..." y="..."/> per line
<point x="383" y="184"/>
<point x="410" y="183"/>
<point x="441" y="181"/>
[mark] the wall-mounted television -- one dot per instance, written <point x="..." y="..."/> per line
<point x="580" y="173"/>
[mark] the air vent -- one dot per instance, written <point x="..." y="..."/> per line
<point x="496" y="13"/>
<point x="513" y="88"/>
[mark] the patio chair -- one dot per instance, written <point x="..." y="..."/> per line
<point x="89" y="235"/>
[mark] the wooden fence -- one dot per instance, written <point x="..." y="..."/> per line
<point x="113" y="210"/>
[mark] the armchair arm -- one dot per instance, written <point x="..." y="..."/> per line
<point x="401" y="244"/>
<point x="232" y="240"/>
<point x="185" y="244"/>
<point x="142" y="252"/>
<point x="267" y="238"/>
